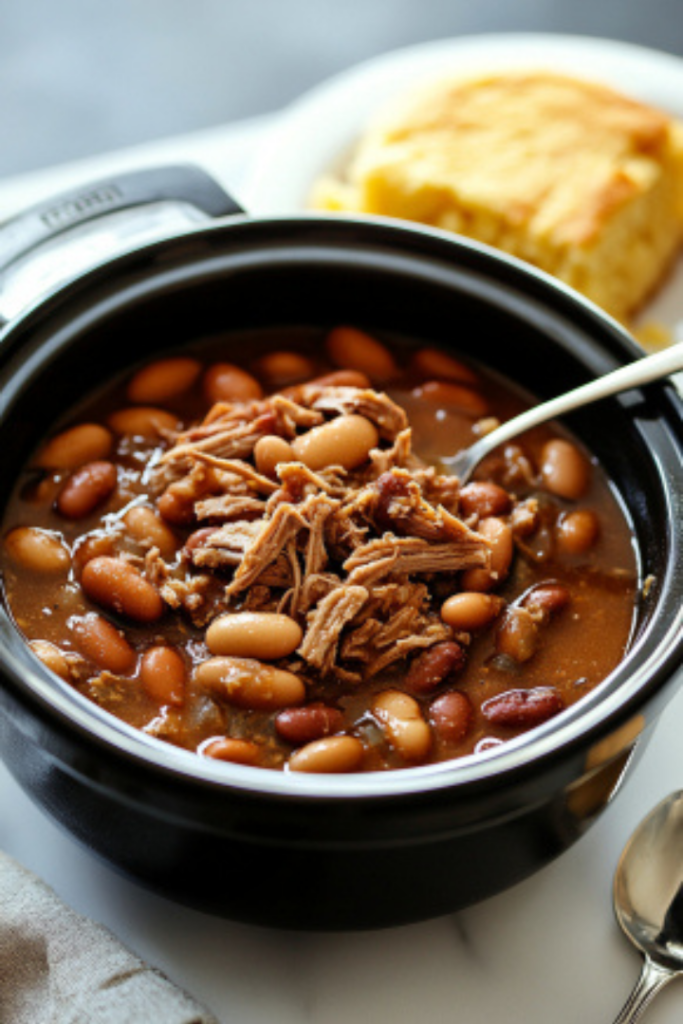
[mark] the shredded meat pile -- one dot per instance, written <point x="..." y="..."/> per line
<point x="352" y="555"/>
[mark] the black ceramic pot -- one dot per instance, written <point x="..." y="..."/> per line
<point x="353" y="851"/>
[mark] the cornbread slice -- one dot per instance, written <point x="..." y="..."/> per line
<point x="566" y="174"/>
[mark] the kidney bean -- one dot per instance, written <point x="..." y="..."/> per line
<point x="355" y="350"/>
<point x="578" y="531"/>
<point x="86" y="442"/>
<point x="484" y="499"/>
<point x="225" y="382"/>
<point x="87" y="488"/>
<point x="499" y="535"/>
<point x="150" y="531"/>
<point x="523" y="709"/>
<point x="433" y="362"/>
<point x="564" y="469"/>
<point x="163" y="379"/>
<point x="344" y="441"/>
<point x="311" y="722"/>
<point x="143" y="421"/>
<point x="470" y="610"/>
<point x="331" y="755"/>
<point x="102" y="643"/>
<point x="227" y="748"/>
<point x="451" y="716"/>
<point x="198" y="539"/>
<point x="264" y="635"/>
<point x="52" y="658"/>
<point x="162" y="674"/>
<point x="248" y="683"/>
<point x="404" y="726"/>
<point x="546" y="599"/>
<point x="517" y="635"/>
<point x="285" y="367"/>
<point x="118" y="585"/>
<point x="269" y="451"/>
<point x="452" y="396"/>
<point x="433" y="666"/>
<point x="37" y="550"/>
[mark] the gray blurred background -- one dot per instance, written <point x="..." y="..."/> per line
<point x="79" y="78"/>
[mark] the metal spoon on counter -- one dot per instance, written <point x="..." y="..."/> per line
<point x="648" y="901"/>
<point x="642" y="371"/>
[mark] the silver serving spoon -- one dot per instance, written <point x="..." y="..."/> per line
<point x="648" y="901"/>
<point x="642" y="371"/>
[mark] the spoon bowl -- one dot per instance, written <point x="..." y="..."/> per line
<point x="648" y="900"/>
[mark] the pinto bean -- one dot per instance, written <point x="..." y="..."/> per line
<point x="517" y="635"/>
<point x="37" y="550"/>
<point x="523" y="709"/>
<point x="86" y="442"/>
<point x="118" y="585"/>
<point x="311" y="722"/>
<point x="102" y="643"/>
<point x="162" y="674"/>
<point x="451" y="716"/>
<point x="163" y="379"/>
<point x="264" y="635"/>
<point x="470" y="610"/>
<point x="355" y="350"/>
<point x="92" y="545"/>
<point x="452" y="396"/>
<point x="248" y="683"/>
<point x="578" y="531"/>
<point x="484" y="499"/>
<point x="546" y="599"/>
<point x="225" y="382"/>
<point x="285" y="367"/>
<point x="150" y="531"/>
<point x="433" y="666"/>
<point x="143" y="421"/>
<point x="405" y="728"/>
<point x="87" y="488"/>
<point x="227" y="748"/>
<point x="269" y="451"/>
<point x="52" y="658"/>
<point x="344" y="441"/>
<point x="565" y="471"/>
<point x="331" y="755"/>
<point x="434" y="362"/>
<point x="175" y="507"/>
<point x="343" y="379"/>
<point x="499" y="535"/>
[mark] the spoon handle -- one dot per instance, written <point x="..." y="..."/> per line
<point x="652" y="979"/>
<point x="642" y="371"/>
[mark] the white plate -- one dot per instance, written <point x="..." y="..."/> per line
<point x="315" y="134"/>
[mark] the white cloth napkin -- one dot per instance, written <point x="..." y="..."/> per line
<point x="57" y="967"/>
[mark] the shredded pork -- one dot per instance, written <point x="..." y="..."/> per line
<point x="352" y="555"/>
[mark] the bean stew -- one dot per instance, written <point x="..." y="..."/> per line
<point x="248" y="550"/>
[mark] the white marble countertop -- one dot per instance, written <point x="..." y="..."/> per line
<point x="549" y="949"/>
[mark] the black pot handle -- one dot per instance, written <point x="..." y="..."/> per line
<point x="59" y="214"/>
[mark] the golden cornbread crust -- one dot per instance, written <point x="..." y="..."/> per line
<point x="566" y="174"/>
